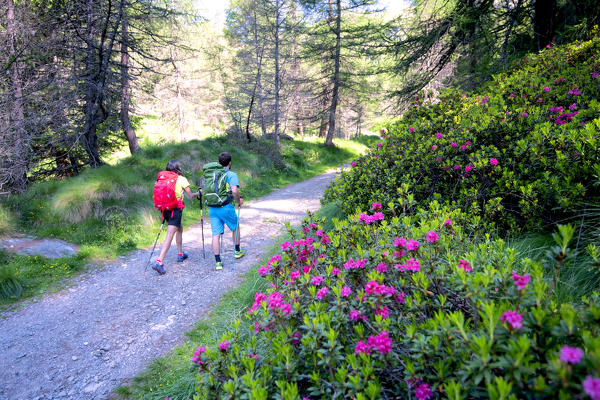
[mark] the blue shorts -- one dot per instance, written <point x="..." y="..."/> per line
<point x="219" y="216"/>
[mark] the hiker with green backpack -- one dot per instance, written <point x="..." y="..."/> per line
<point x="221" y="189"/>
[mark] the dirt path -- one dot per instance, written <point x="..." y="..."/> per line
<point x="82" y="342"/>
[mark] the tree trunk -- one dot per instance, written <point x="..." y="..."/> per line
<point x="277" y="14"/>
<point x="336" y="75"/>
<point x="125" y="120"/>
<point x="544" y="22"/>
<point x="325" y="117"/>
<point x="18" y="178"/>
<point x="296" y="74"/>
<point x="259" y="58"/>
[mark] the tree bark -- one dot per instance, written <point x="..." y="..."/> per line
<point x="259" y="58"/>
<point x="125" y="100"/>
<point x="336" y="75"/>
<point x="277" y="15"/>
<point x="18" y="169"/>
<point x="544" y="22"/>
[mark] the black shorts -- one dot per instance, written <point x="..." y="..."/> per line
<point x="173" y="217"/>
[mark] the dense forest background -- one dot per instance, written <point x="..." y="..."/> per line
<point x="82" y="79"/>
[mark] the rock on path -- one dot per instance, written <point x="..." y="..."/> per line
<point x="83" y="342"/>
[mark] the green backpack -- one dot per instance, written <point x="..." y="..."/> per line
<point x="216" y="190"/>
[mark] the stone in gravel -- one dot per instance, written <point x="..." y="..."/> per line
<point x="92" y="387"/>
<point x="74" y="358"/>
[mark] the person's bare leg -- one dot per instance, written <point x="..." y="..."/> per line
<point x="171" y="229"/>
<point x="216" y="245"/>
<point x="179" y="240"/>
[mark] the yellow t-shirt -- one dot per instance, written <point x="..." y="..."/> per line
<point x="180" y="185"/>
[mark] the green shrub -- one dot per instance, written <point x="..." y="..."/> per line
<point x="523" y="152"/>
<point x="10" y="284"/>
<point x="364" y="311"/>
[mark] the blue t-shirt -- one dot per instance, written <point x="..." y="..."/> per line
<point x="232" y="178"/>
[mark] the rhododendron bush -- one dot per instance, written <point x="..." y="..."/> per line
<point x="404" y="307"/>
<point x="523" y="152"/>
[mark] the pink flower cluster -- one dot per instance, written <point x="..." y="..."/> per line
<point x="376" y="206"/>
<point x="575" y="91"/>
<point x="432" y="237"/>
<point x="355" y="316"/>
<point x="264" y="270"/>
<point x="383" y="311"/>
<point x="316" y="280"/>
<point x="321" y="293"/>
<point x="307" y="229"/>
<point x="493" y="161"/>
<point x="373" y="287"/>
<point x="197" y="358"/>
<point x="591" y="387"/>
<point x="355" y="264"/>
<point x="410" y="265"/>
<point x="412" y="245"/>
<point x="513" y="318"/>
<point x="369" y="219"/>
<point x="423" y="392"/>
<point x="381" y="267"/>
<point x="258" y="299"/>
<point x="571" y="355"/>
<point x="447" y="222"/>
<point x="464" y="264"/>
<point x="346" y="291"/>
<point x="521" y="281"/>
<point x="381" y="342"/>
<point x="224" y="345"/>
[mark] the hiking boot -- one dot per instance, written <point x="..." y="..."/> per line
<point x="219" y="265"/>
<point x="159" y="267"/>
<point x="240" y="253"/>
<point x="182" y="257"/>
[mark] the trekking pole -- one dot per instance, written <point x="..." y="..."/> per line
<point x="235" y="236"/>
<point x="153" y="248"/>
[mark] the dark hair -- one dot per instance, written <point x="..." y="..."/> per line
<point x="224" y="158"/>
<point x="174" y="166"/>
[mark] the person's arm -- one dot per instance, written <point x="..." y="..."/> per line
<point x="236" y="195"/>
<point x="191" y="194"/>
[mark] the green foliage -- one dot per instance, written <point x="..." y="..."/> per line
<point x="361" y="311"/>
<point x="521" y="153"/>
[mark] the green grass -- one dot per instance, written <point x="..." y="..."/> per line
<point x="577" y="277"/>
<point x="28" y="276"/>
<point x="109" y="211"/>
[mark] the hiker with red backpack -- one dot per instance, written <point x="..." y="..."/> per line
<point x="168" y="198"/>
<point x="221" y="188"/>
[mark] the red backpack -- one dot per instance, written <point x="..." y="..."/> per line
<point x="164" y="192"/>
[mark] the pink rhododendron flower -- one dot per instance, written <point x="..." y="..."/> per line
<point x="316" y="280"/>
<point x="468" y="168"/>
<point x="595" y="75"/>
<point x="464" y="264"/>
<point x="521" y="281"/>
<point x="355" y="315"/>
<point x="400" y="298"/>
<point x="434" y="147"/>
<point x="384" y="312"/>
<point x="524" y="114"/>
<point x="410" y="265"/>
<point x="493" y="161"/>
<point x="439" y="135"/>
<point x="322" y="292"/>
<point x="485" y="99"/>
<point x="591" y="387"/>
<point x="371" y="286"/>
<point x="306" y="269"/>
<point x="453" y="144"/>
<point x="512" y="95"/>
<point x="412" y="245"/>
<point x="286" y="309"/>
<point x="513" y="318"/>
<point x="362" y="347"/>
<point x="383" y="131"/>
<point x="423" y="392"/>
<point x="575" y="91"/>
<point x="381" y="267"/>
<point x="400" y="242"/>
<point x="294" y="274"/>
<point x="447" y="222"/>
<point x="355" y="264"/>
<point x="546" y="89"/>
<point x="411" y="129"/>
<point x="376" y="206"/>
<point x="224" y="345"/>
<point x="296" y="338"/>
<point x="325" y="239"/>
<point x="346" y="291"/>
<point x="572" y="355"/>
<point x="456" y="167"/>
<point x="463" y="147"/>
<point x="381" y="342"/>
<point x="354" y="163"/>
<point x="275" y="300"/>
<point x="335" y="271"/>
<point x="432" y="237"/>
<point x="379" y="144"/>
<point x="263" y="270"/>
<point x="573" y="106"/>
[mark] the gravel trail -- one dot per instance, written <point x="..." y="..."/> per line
<point x="84" y="341"/>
